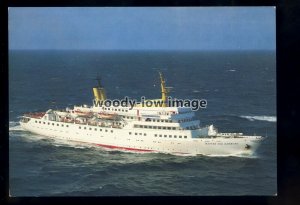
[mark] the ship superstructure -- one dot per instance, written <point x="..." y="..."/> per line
<point x="158" y="128"/>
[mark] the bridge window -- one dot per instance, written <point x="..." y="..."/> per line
<point x="169" y="128"/>
<point x="180" y="136"/>
<point x="165" y="135"/>
<point x="90" y="128"/>
<point x="175" y="136"/>
<point x="185" y="136"/>
<point x="170" y="136"/>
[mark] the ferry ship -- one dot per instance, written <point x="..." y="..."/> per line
<point x="158" y="128"/>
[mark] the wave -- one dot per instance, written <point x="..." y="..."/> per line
<point x="231" y="70"/>
<point x="262" y="118"/>
<point x="15" y="126"/>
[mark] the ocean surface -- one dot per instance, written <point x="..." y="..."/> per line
<point x="240" y="89"/>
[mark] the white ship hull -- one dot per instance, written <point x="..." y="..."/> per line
<point x="144" y="141"/>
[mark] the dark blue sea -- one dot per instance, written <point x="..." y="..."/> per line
<point x="240" y="89"/>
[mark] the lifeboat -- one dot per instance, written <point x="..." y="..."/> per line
<point x="37" y="115"/>
<point x="104" y="115"/>
<point x="83" y="113"/>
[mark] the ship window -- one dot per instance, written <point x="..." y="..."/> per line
<point x="48" y="123"/>
<point x="150" y="127"/>
<point x="180" y="136"/>
<point x="36" y="121"/>
<point x="169" y="128"/>
<point x="111" y="131"/>
<point x="173" y="128"/>
<point x="130" y="133"/>
<point x="67" y="125"/>
<point x="140" y="133"/>
<point x="57" y="124"/>
<point x="62" y="125"/>
<point x="135" y="133"/>
<point x="101" y="130"/>
<point x="154" y="127"/>
<point x="164" y="128"/>
<point x="108" y="108"/>
<point x="105" y="130"/>
<point x="155" y="135"/>
<point x="185" y="136"/>
<point x="144" y="134"/>
<point x="79" y="127"/>
<point x="170" y="136"/>
<point x="119" y="109"/>
<point x="131" y="117"/>
<point x="39" y="121"/>
<point x="95" y="129"/>
<point x="160" y="135"/>
<point x="146" y="126"/>
<point x="44" y="123"/>
<point x="159" y="127"/>
<point x="175" y="136"/>
<point x="52" y="123"/>
<point x="165" y="135"/>
<point x="90" y="128"/>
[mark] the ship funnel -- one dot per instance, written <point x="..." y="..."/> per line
<point x="164" y="90"/>
<point x="99" y="91"/>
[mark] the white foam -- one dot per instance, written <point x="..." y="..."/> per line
<point x="231" y="70"/>
<point x="15" y="126"/>
<point x="262" y="118"/>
